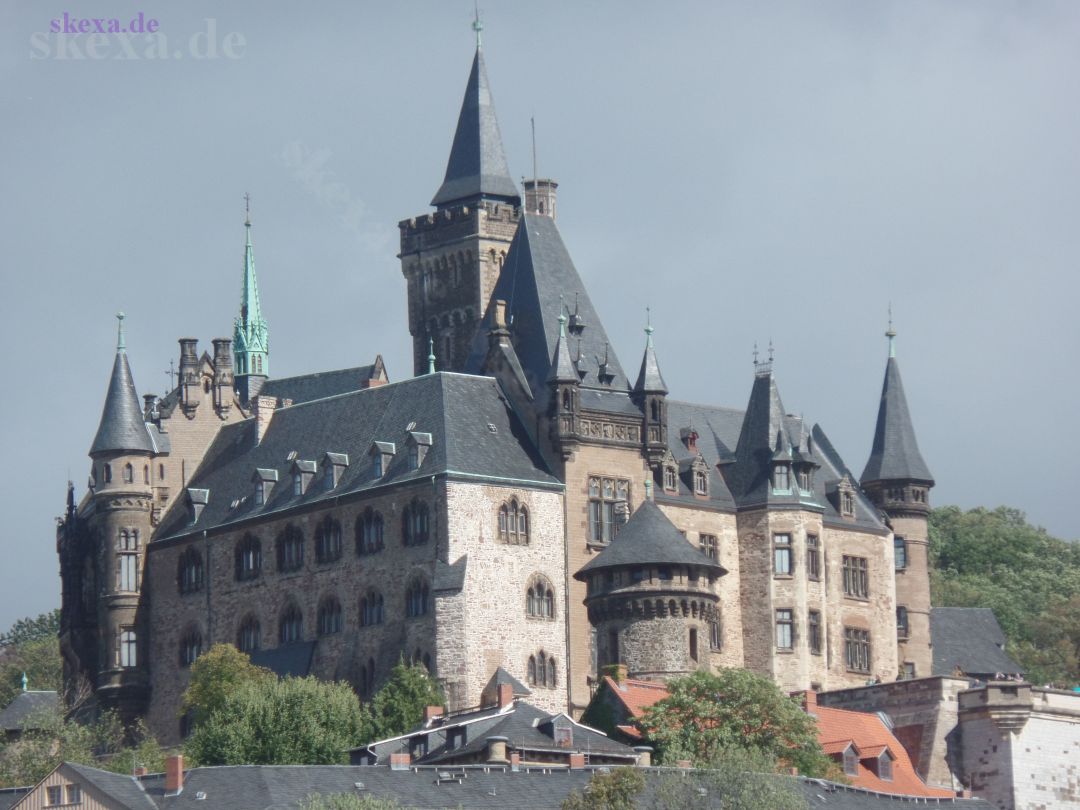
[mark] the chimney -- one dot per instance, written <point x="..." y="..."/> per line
<point x="577" y="761"/>
<point x="139" y="771"/>
<point x="644" y="752"/>
<point x="499" y="334"/>
<point x="809" y="700"/>
<point x="189" y="376"/>
<point x="505" y="695"/>
<point x="174" y="774"/>
<point x="431" y="712"/>
<point x="400" y="761"/>
<point x="262" y="409"/>
<point x="515" y="760"/>
<point x="540" y="197"/>
<point x="496" y="750"/>
<point x="223" y="375"/>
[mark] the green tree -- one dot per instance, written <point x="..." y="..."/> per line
<point x="215" y="675"/>
<point x="38" y="658"/>
<point x="706" y="716"/>
<point x="45" y="626"/>
<point x="399" y="704"/>
<point x="294" y="721"/>
<point x="348" y="801"/>
<point x="617" y="790"/>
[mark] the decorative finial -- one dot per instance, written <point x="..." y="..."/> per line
<point x="891" y="334"/>
<point x="247" y="209"/>
<point x="755" y="354"/>
<point x="477" y="26"/>
<point x="430" y="356"/>
<point x="648" y="328"/>
<point x="25" y="682"/>
<point x="120" y="346"/>
<point x="770" y="350"/>
<point x="562" y="324"/>
<point x="171" y="374"/>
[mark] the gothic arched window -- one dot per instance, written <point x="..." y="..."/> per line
<point x="329" y="616"/>
<point x="371" y="608"/>
<point x="248" y="558"/>
<point x="514" y="523"/>
<point x="291" y="625"/>
<point x="540" y="599"/>
<point x="414" y="524"/>
<point x="189" y="573"/>
<point x="328" y="540"/>
<point x="290" y="549"/>
<point x="249" y="635"/>
<point x="416" y="598"/>
<point x="369" y="532"/>
<point x="190" y="647"/>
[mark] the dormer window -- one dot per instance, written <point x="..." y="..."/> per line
<point x="884" y="765"/>
<point x="851" y="761"/>
<point x="701" y="482"/>
<point x="847" y="504"/>
<point x="302" y="471"/>
<point x="381" y="454"/>
<point x="670" y="479"/>
<point x="264" y="483"/>
<point x="419" y="444"/>
<point x="334" y="465"/>
<point x="806" y="479"/>
<point x="197" y="500"/>
<point x="782" y="477"/>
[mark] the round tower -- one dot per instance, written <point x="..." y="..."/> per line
<point x="651" y="599"/>
<point x="120" y="527"/>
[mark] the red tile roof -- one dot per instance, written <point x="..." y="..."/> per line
<point x="636" y="695"/>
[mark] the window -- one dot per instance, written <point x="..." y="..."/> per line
<point x="813" y="627"/>
<point x="847" y="503"/>
<point x="298" y="483"/>
<point x="900" y="552"/>
<point x="54" y="794"/>
<point x="813" y="557"/>
<point x="909" y="670"/>
<point x="291" y="625"/>
<point x="290" y="549"/>
<point x="371" y="609"/>
<point x="693" y="644"/>
<point x="74" y="794"/>
<point x="249" y="636"/>
<point x="901" y="622"/>
<point x="701" y="482"/>
<point x="416" y="599"/>
<point x="128" y="653"/>
<point x="190" y="647"/>
<point x="782" y="477"/>
<point x="709" y="546"/>
<point x="248" y="558"/>
<point x="541" y="670"/>
<point x="146" y="473"/>
<point x="604" y="494"/>
<point x="856" y="583"/>
<point x="106" y="473"/>
<point x="369" y="532"/>
<point x="613" y="647"/>
<point x="785" y="631"/>
<point x="857" y="649"/>
<point x="260" y="493"/>
<point x="328" y="540"/>
<point x="127" y="562"/>
<point x="329" y="616"/>
<point x="414" y="524"/>
<point x="716" y="635"/>
<point x="884" y="766"/>
<point x="161" y="472"/>
<point x="782" y="554"/>
<point x="377" y="467"/>
<point x="129" y="474"/>
<point x="540" y="600"/>
<point x="806" y="479"/>
<point x="851" y="761"/>
<point x="670" y="480"/>
<point x="514" y="523"/>
<point x="189" y="573"/>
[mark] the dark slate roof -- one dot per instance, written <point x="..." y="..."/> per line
<point x="648" y="537"/>
<point x="895" y="454"/>
<point x="537" y="277"/>
<point x="617" y="402"/>
<point x="649" y="379"/>
<point x="500" y="677"/>
<point x="307" y="387"/>
<point x="562" y="367"/>
<point x="832" y="470"/>
<point x="125" y="791"/>
<point x="474" y="435"/>
<point x="764" y="425"/>
<point x="477" y="166"/>
<point x="288" y="660"/>
<point x="14" y="716"/>
<point x="10" y="796"/>
<point x="122" y="427"/>
<point x="970" y="638"/>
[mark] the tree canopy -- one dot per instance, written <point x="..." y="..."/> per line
<point x="31" y="646"/>
<point x="215" y="675"/>
<point x="1031" y="580"/>
<point x="400" y="702"/>
<point x="706" y="716"/>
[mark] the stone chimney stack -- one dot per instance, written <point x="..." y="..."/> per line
<point x="223" y="376"/>
<point x="189" y="375"/>
<point x="262" y="411"/>
<point x="505" y="695"/>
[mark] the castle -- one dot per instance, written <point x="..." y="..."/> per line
<point x="519" y="511"/>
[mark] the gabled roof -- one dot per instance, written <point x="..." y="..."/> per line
<point x="971" y="639"/>
<point x="895" y="454"/>
<point x="648" y="537"/>
<point x="126" y="792"/>
<point x="122" y="427"/>
<point x="477" y="166"/>
<point x="635" y="695"/>
<point x="23" y="706"/>
<point x="501" y="677"/>
<point x="537" y="277"/>
<point x="308" y="387"/>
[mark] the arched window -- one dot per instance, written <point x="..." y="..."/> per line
<point x="249" y="635"/>
<point x="701" y="483"/>
<point x="189" y="574"/>
<point x="146" y="473"/>
<point x="161" y="472"/>
<point x="655" y="408"/>
<point x="414" y="524"/>
<point x="551" y="672"/>
<point x="290" y="549"/>
<point x="367" y="677"/>
<point x="129" y="473"/>
<point x="532" y="670"/>
<point x="514" y="523"/>
<point x="328" y="540"/>
<point x="416" y="598"/>
<point x="540" y="599"/>
<point x="128" y="570"/>
<point x="541" y="670"/>
<point x="248" y="558"/>
<point x="291" y="625"/>
<point x="190" y="647"/>
<point x="329" y="616"/>
<point x="371" y="609"/>
<point x="369" y="532"/>
<point x="106" y="473"/>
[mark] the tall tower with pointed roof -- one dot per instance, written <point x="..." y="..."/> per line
<point x="452" y="258"/>
<point x="898" y="482"/>
<point x="251" y="337"/>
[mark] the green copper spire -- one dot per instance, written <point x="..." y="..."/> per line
<point x="430" y="356"/>
<point x="120" y="345"/>
<point x="251" y="339"/>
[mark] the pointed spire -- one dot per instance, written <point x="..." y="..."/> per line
<point x="650" y="380"/>
<point x="430" y="356"/>
<point x="895" y="454"/>
<point x="477" y="166"/>
<point x="121" y="427"/>
<point x="763" y="439"/>
<point x="563" y="369"/>
<point x="251" y="335"/>
<point x="891" y="335"/>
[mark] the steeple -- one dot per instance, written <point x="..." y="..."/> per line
<point x="122" y="427"/>
<point x="895" y="454"/>
<point x="563" y="369"/>
<point x="251" y="338"/>
<point x="477" y="166"/>
<point x="649" y="380"/>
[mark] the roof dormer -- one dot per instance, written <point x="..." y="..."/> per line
<point x="197" y="500"/>
<point x="334" y="465"/>
<point x="264" y="481"/>
<point x="418" y="445"/>
<point x="381" y="455"/>
<point x="303" y="470"/>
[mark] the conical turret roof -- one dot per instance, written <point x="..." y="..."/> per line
<point x="895" y="455"/>
<point x="650" y="380"/>
<point x="122" y="428"/>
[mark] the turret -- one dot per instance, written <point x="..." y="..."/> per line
<point x="898" y="481"/>
<point x="565" y="402"/>
<point x="251" y="337"/>
<point x="650" y="394"/>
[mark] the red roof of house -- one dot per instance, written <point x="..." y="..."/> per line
<point x="636" y="695"/>
<point x="839" y="727"/>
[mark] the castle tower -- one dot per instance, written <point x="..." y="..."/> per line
<point x="650" y="394"/>
<point x="451" y="259"/>
<point x="251" y="338"/>
<point x="119" y="529"/>
<point x="651" y="599"/>
<point x="898" y="482"/>
<point x="565" y="405"/>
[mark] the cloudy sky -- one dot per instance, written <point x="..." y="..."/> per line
<point x="751" y="171"/>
